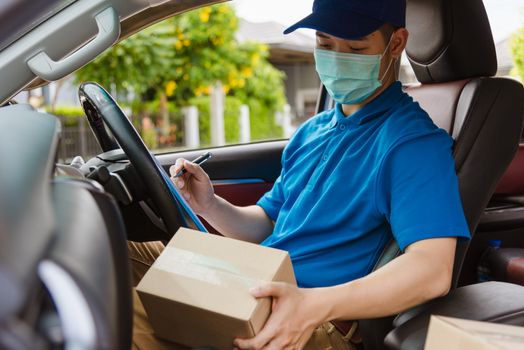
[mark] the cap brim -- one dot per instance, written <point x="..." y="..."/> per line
<point x="345" y="25"/>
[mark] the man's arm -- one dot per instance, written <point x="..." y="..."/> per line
<point x="422" y="273"/>
<point x="245" y="223"/>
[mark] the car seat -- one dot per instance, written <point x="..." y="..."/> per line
<point x="26" y="220"/>
<point x="453" y="56"/>
<point x="90" y="248"/>
<point x="507" y="265"/>
<point x="64" y="271"/>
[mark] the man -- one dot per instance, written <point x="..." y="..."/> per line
<point x="373" y="168"/>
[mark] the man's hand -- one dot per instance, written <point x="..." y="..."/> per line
<point x="245" y="223"/>
<point x="295" y="314"/>
<point x="194" y="185"/>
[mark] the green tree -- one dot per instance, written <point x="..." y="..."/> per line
<point x="181" y="59"/>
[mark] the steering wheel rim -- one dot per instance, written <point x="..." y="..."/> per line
<point x="172" y="208"/>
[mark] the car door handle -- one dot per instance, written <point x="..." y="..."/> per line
<point x="108" y="32"/>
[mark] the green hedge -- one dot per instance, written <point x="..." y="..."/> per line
<point x="262" y="122"/>
<point x="261" y="119"/>
<point x="69" y="114"/>
<point x="231" y="114"/>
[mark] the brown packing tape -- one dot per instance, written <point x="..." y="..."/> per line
<point x="201" y="281"/>
<point x="203" y="268"/>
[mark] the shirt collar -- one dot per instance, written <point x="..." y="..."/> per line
<point x="376" y="108"/>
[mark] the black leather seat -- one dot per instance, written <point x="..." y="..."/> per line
<point x="90" y="247"/>
<point x="507" y="264"/>
<point x="453" y="56"/>
<point x="64" y="270"/>
<point x="26" y="219"/>
<point x="498" y="302"/>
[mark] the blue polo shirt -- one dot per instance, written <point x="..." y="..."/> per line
<point x="349" y="184"/>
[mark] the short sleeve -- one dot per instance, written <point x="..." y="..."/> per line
<point x="273" y="200"/>
<point x="418" y="190"/>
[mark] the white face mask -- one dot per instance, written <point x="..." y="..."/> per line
<point x="350" y="78"/>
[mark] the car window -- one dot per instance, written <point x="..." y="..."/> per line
<point x="221" y="75"/>
<point x="17" y="17"/>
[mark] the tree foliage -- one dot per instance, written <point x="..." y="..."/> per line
<point x="183" y="57"/>
<point x="517" y="49"/>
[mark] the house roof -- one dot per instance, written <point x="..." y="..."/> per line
<point x="284" y="49"/>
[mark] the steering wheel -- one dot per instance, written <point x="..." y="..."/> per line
<point x="101" y="108"/>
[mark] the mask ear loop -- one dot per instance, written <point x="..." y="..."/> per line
<point x="390" y="61"/>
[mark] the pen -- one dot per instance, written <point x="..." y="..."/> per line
<point x="199" y="160"/>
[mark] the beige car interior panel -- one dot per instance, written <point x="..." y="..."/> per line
<point x="108" y="32"/>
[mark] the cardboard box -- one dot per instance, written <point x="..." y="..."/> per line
<point x="197" y="291"/>
<point x="457" y="334"/>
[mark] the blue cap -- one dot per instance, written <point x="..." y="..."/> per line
<point x="352" y="19"/>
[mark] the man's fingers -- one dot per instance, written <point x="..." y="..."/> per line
<point x="304" y="339"/>
<point x="260" y="340"/>
<point x="195" y="170"/>
<point x="175" y="169"/>
<point x="275" y="345"/>
<point x="272" y="289"/>
<point x="191" y="168"/>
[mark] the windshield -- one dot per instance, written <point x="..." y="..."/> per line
<point x="17" y="17"/>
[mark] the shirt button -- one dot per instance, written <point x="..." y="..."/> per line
<point x="342" y="127"/>
<point x="324" y="158"/>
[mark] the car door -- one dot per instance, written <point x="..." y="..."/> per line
<point x="241" y="174"/>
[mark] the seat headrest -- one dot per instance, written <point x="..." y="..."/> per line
<point x="449" y="40"/>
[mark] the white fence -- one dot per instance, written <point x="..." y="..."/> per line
<point x="217" y="101"/>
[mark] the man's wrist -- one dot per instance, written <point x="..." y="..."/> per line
<point x="212" y="209"/>
<point x="334" y="302"/>
<point x="324" y="304"/>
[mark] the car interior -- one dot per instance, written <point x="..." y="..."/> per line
<point x="64" y="269"/>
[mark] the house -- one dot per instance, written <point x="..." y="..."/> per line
<point x="292" y="54"/>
